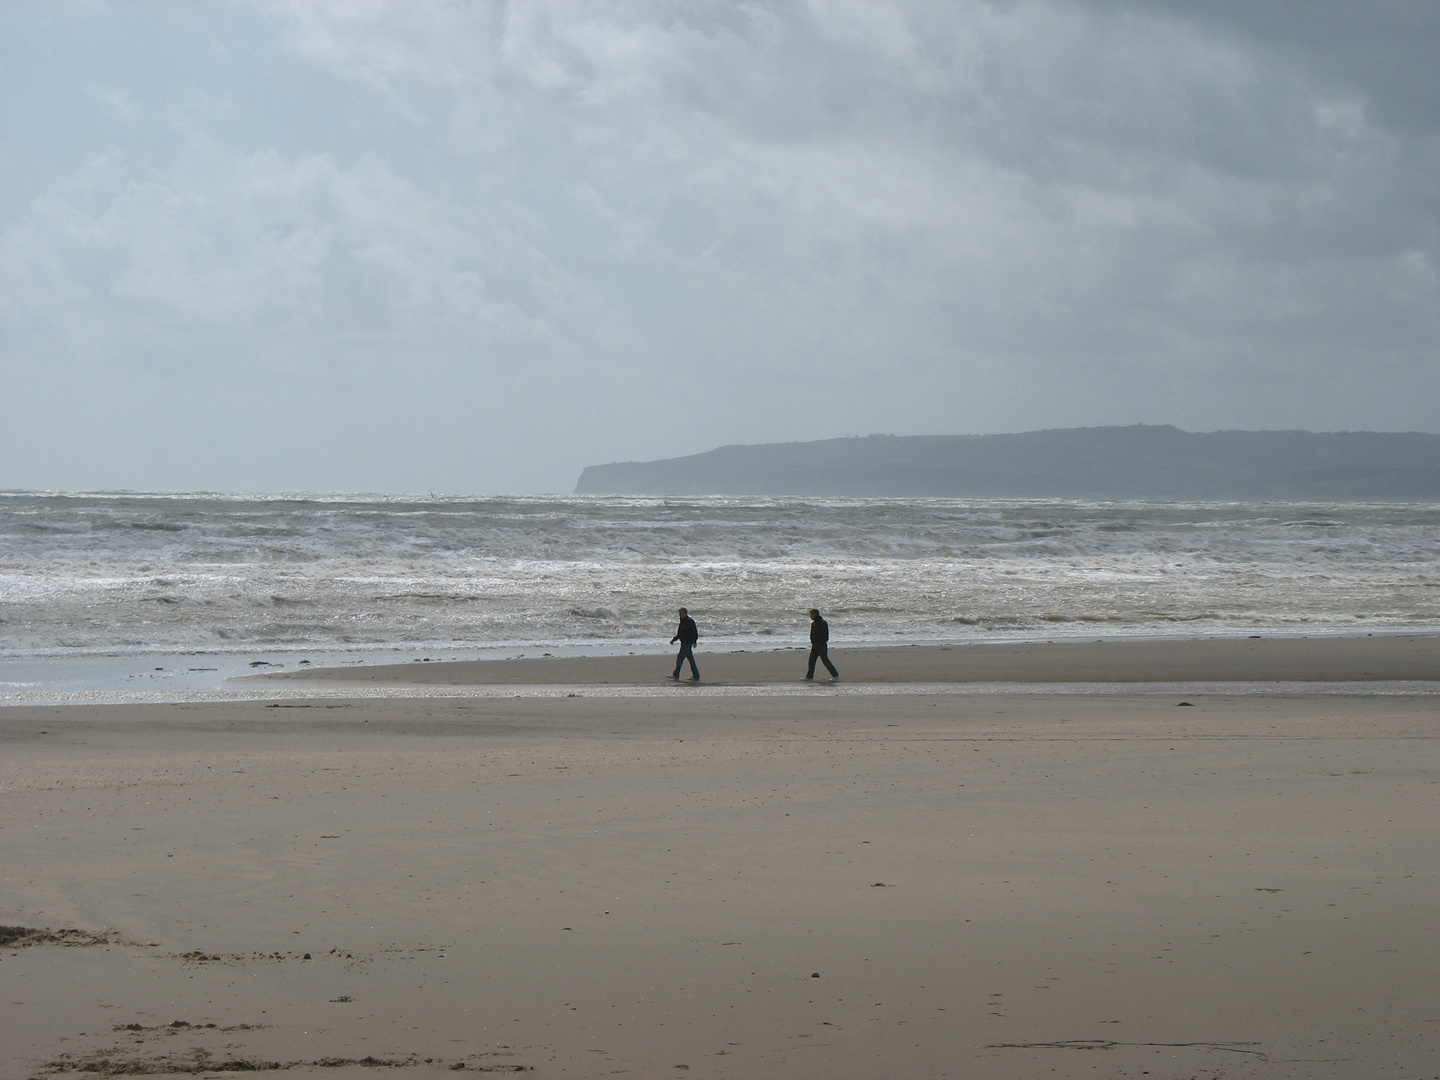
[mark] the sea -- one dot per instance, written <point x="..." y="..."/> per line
<point x="125" y="596"/>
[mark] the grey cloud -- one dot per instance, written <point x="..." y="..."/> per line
<point x="648" y="228"/>
<point x="1382" y="49"/>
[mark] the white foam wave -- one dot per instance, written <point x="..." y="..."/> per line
<point x="141" y="572"/>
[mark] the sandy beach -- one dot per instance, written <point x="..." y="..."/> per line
<point x="828" y="884"/>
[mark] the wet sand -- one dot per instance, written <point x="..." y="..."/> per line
<point x="1324" y="659"/>
<point x="965" y="885"/>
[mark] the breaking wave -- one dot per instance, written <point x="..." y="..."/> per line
<point x="127" y="572"/>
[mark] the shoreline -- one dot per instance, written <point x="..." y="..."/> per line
<point x="1387" y="658"/>
<point x="1388" y="663"/>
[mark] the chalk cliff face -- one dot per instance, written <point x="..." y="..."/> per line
<point x="1139" y="462"/>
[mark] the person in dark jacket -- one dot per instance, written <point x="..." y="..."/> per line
<point x="820" y="645"/>
<point x="687" y="634"/>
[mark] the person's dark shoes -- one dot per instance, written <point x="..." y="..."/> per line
<point x="809" y="678"/>
<point x="693" y="678"/>
<point x="676" y="676"/>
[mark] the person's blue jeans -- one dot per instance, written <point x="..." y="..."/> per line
<point x="686" y="653"/>
<point x="821" y="653"/>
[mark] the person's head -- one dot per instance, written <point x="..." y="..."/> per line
<point x="814" y="613"/>
<point x="683" y="613"/>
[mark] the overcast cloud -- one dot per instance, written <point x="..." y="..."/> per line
<point x="476" y="246"/>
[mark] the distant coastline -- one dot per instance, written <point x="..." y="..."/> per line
<point x="1136" y="462"/>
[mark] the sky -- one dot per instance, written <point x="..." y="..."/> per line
<point x="475" y="246"/>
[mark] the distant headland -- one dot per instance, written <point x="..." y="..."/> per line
<point x="1137" y="462"/>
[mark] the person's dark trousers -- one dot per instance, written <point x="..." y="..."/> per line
<point x="821" y="653"/>
<point x="687" y="653"/>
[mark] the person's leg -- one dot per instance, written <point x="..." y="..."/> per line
<point x="825" y="659"/>
<point x="814" y="654"/>
<point x="680" y="660"/>
<point x="690" y="655"/>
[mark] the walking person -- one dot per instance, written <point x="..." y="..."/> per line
<point x="687" y="634"/>
<point x="819" y="645"/>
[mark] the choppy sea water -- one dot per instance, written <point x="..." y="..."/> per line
<point x="93" y="574"/>
<point x="166" y="573"/>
